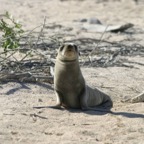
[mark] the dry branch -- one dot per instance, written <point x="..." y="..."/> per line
<point x="94" y="52"/>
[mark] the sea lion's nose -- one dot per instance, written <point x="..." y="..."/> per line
<point x="70" y="47"/>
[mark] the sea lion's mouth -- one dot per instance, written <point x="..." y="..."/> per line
<point x="69" y="55"/>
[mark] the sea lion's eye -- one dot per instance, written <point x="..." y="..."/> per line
<point x="61" y="47"/>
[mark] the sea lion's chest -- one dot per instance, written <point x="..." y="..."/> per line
<point x="68" y="78"/>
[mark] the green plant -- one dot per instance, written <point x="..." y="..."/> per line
<point x="12" y="32"/>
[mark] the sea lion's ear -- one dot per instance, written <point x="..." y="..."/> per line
<point x="61" y="48"/>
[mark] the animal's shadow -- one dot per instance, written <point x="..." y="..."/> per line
<point x="95" y="112"/>
<point x="22" y="85"/>
<point x="125" y="114"/>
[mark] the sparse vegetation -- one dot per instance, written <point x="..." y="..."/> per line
<point x="12" y="31"/>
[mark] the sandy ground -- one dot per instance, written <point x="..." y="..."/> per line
<point x="21" y="124"/>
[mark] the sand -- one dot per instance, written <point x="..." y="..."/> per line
<point x="20" y="123"/>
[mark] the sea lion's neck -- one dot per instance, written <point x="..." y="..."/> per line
<point x="66" y="62"/>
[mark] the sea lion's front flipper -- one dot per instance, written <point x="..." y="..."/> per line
<point x="54" y="107"/>
<point x="58" y="101"/>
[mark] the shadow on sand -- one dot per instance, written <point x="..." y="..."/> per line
<point x="97" y="112"/>
<point x="22" y="85"/>
<point x="125" y="114"/>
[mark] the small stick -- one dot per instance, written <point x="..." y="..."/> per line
<point x="99" y="40"/>
<point x="42" y="29"/>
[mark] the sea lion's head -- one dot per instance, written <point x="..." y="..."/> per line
<point x="68" y="52"/>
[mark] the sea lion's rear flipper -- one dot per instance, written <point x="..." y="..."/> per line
<point x="94" y="99"/>
<point x="108" y="104"/>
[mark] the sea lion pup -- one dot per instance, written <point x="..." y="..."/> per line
<point x="69" y="83"/>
